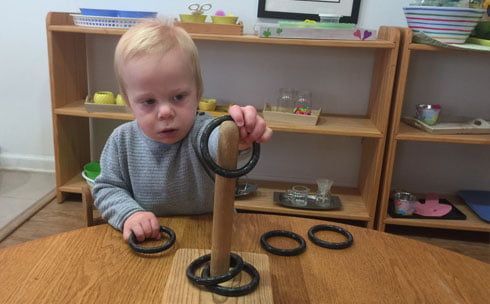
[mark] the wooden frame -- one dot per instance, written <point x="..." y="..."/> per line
<point x="68" y="62"/>
<point x="352" y="18"/>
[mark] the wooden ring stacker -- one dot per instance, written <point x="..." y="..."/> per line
<point x="150" y="250"/>
<point x="330" y="245"/>
<point x="224" y="198"/>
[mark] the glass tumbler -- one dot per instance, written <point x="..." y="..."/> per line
<point x="302" y="104"/>
<point x="298" y="195"/>
<point x="285" y="101"/>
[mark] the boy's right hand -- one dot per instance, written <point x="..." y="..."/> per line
<point x="143" y="224"/>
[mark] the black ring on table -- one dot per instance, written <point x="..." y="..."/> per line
<point x="236" y="262"/>
<point x="211" y="164"/>
<point x="330" y="245"/>
<point x="239" y="290"/>
<point x="149" y="250"/>
<point x="280" y="251"/>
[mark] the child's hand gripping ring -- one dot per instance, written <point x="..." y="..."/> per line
<point x="150" y="250"/>
<point x="211" y="164"/>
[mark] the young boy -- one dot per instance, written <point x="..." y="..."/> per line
<point x="150" y="166"/>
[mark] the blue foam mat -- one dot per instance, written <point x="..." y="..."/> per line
<point x="478" y="201"/>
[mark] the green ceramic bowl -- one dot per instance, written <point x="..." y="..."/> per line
<point x="92" y="170"/>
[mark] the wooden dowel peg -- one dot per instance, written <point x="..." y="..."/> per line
<point x="224" y="199"/>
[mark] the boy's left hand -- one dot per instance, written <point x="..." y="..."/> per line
<point x="252" y="127"/>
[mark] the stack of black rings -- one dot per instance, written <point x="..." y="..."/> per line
<point x="236" y="262"/>
<point x="211" y="283"/>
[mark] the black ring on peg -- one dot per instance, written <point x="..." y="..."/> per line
<point x="211" y="164"/>
<point x="239" y="290"/>
<point x="236" y="262"/>
<point x="330" y="245"/>
<point x="281" y="251"/>
<point x="150" y="250"/>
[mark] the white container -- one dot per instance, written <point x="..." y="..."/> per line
<point x="330" y="18"/>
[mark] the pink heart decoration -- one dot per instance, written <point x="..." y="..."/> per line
<point x="357" y="34"/>
<point x="366" y="35"/>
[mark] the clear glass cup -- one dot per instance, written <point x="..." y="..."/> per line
<point x="323" y="195"/>
<point x="286" y="99"/>
<point x="302" y="104"/>
<point x="298" y="195"/>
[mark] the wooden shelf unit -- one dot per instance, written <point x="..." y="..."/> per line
<point x="68" y="68"/>
<point x="400" y="131"/>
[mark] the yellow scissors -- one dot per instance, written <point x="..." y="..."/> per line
<point x="198" y="9"/>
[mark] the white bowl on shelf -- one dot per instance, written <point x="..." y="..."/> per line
<point x="89" y="181"/>
<point x="451" y="25"/>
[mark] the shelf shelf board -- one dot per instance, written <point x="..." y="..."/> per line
<point x="327" y="125"/>
<point x="353" y="207"/>
<point x="334" y="125"/>
<point x="74" y="185"/>
<point x="472" y="222"/>
<point x="431" y="48"/>
<point x="374" y="44"/>
<point x="77" y="108"/>
<point x="410" y="133"/>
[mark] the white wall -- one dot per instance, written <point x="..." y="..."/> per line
<point x="25" y="119"/>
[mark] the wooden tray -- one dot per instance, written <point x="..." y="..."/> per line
<point x="476" y="126"/>
<point x="211" y="28"/>
<point x="90" y="106"/>
<point x="290" y="118"/>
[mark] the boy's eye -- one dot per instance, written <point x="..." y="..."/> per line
<point x="149" y="101"/>
<point x="178" y="97"/>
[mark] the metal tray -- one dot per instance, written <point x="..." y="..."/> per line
<point x="280" y="198"/>
<point x="244" y="189"/>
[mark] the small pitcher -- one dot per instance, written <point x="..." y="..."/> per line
<point x="323" y="196"/>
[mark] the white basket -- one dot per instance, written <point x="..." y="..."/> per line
<point x="106" y="22"/>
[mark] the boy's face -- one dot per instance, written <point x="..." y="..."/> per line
<point x="162" y="95"/>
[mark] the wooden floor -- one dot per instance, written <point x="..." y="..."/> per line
<point x="57" y="218"/>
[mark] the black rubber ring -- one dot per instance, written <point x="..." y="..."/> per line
<point x="235" y="291"/>
<point x="280" y="251"/>
<point x="149" y="250"/>
<point x="211" y="164"/>
<point x="236" y="262"/>
<point x="330" y="245"/>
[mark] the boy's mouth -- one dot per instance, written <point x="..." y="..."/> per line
<point x="167" y="131"/>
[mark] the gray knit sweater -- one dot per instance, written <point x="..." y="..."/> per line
<point x="140" y="174"/>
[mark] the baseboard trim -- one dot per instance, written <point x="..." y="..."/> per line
<point x="27" y="214"/>
<point x="22" y="162"/>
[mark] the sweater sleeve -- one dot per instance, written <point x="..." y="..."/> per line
<point x="112" y="191"/>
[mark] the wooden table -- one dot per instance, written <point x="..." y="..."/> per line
<point x="95" y="265"/>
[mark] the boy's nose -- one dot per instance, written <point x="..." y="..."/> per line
<point x="165" y="110"/>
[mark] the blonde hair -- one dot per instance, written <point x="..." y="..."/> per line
<point x="156" y="37"/>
